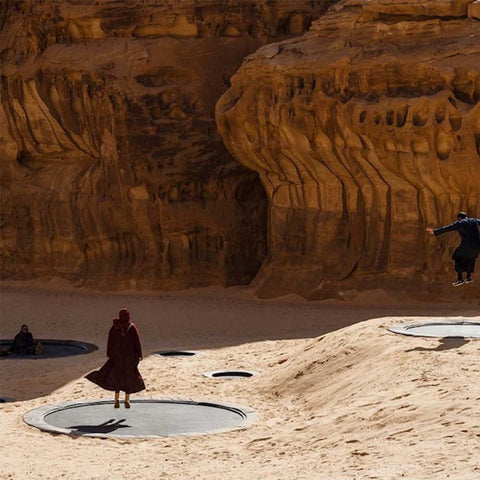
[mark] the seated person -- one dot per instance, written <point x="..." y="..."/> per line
<point x="23" y="344"/>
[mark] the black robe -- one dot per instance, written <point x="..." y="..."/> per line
<point x="124" y="351"/>
<point x="469" y="248"/>
<point x="23" y="344"/>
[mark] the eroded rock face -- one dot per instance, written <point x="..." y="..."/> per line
<point x="113" y="172"/>
<point x="366" y="130"/>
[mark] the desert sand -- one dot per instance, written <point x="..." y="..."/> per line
<point x="339" y="396"/>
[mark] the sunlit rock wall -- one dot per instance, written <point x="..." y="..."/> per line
<point x="113" y="173"/>
<point x="364" y="131"/>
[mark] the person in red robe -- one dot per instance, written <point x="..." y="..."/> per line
<point x="124" y="352"/>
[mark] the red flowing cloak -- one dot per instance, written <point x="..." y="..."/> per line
<point x="120" y="372"/>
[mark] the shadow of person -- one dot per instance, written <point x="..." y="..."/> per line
<point x="106" y="427"/>
<point x="446" y="343"/>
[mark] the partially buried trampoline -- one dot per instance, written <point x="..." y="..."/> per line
<point x="52" y="349"/>
<point x="452" y="329"/>
<point x="6" y="399"/>
<point x="230" y="374"/>
<point x="174" y="353"/>
<point x="147" y="418"/>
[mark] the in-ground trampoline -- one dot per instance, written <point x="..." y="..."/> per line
<point x="452" y="329"/>
<point x="147" y="418"/>
<point x="230" y="374"/>
<point x="52" y="348"/>
<point x="174" y="353"/>
<point x="6" y="399"/>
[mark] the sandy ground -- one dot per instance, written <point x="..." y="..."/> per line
<point x="339" y="397"/>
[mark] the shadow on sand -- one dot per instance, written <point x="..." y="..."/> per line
<point x="447" y="343"/>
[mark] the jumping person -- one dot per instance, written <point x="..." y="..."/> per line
<point x="120" y="372"/>
<point x="467" y="252"/>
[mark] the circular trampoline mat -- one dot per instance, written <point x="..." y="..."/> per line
<point x="147" y="418"/>
<point x="461" y="329"/>
<point x="52" y="348"/>
<point x="230" y="374"/>
<point x="174" y="353"/>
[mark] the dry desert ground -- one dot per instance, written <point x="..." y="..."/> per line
<point x="339" y="396"/>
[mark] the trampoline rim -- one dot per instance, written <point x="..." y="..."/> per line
<point x="7" y="399"/>
<point x="213" y="372"/>
<point x="403" y="328"/>
<point x="86" y="348"/>
<point x="182" y="353"/>
<point x="36" y="417"/>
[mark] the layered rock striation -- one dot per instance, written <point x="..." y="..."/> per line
<point x="113" y="172"/>
<point x="364" y="131"/>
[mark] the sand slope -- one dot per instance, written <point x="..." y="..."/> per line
<point x="336" y="399"/>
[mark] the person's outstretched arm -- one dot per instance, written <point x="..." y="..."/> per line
<point x="442" y="230"/>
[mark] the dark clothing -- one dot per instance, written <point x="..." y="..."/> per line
<point x="467" y="252"/>
<point x="23" y="344"/>
<point x="124" y="351"/>
<point x="467" y="266"/>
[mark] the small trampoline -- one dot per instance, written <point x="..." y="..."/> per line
<point x="6" y="399"/>
<point x="147" y="418"/>
<point x="52" y="348"/>
<point x="230" y="374"/>
<point x="453" y="329"/>
<point x="174" y="353"/>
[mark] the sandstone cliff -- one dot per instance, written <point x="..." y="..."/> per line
<point x="112" y="169"/>
<point x="364" y="131"/>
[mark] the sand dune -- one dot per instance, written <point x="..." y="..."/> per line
<point x="339" y="397"/>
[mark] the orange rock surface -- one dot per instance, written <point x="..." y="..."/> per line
<point x="113" y="173"/>
<point x="364" y="131"/>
